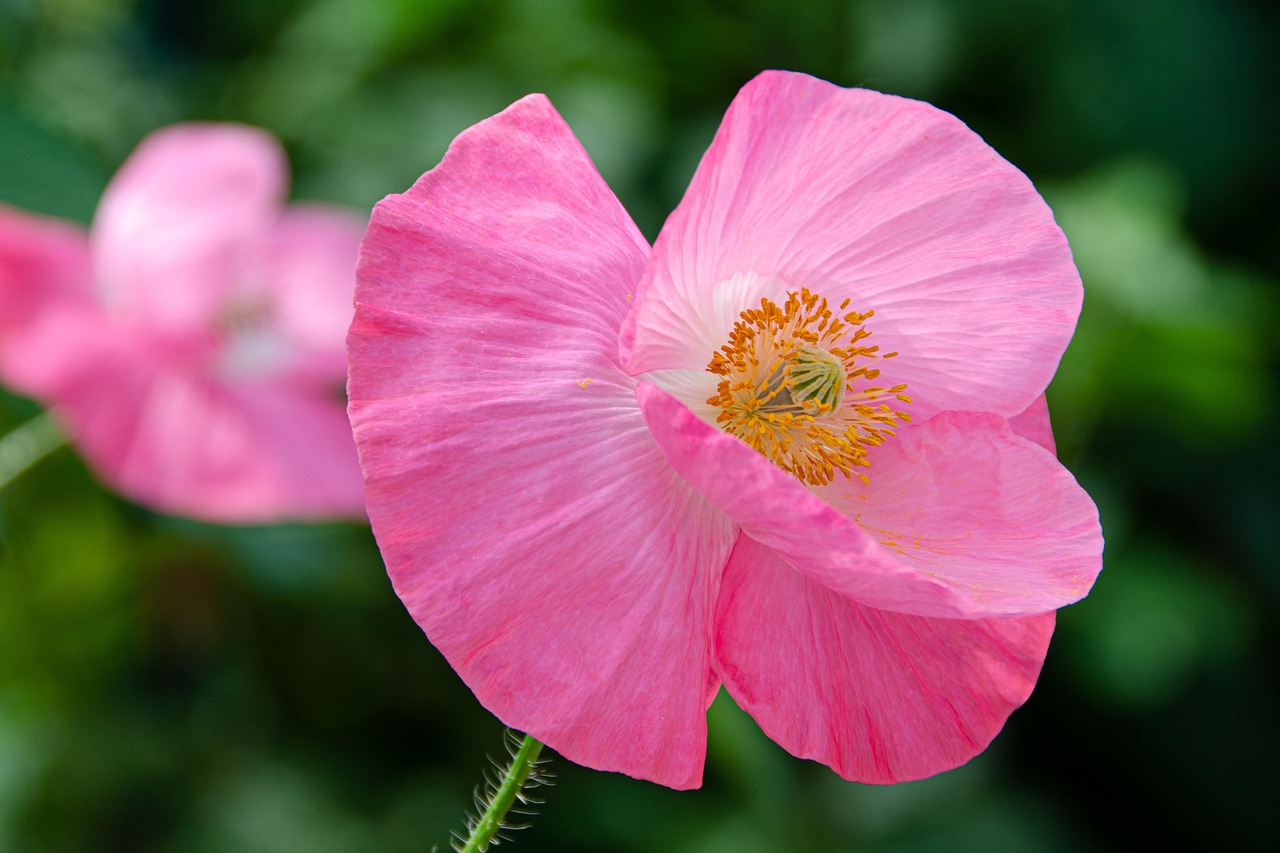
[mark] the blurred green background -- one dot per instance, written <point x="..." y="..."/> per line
<point x="172" y="686"/>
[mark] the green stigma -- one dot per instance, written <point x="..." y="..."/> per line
<point x="816" y="379"/>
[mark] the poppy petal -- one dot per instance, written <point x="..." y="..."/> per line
<point x="888" y="202"/>
<point x="180" y="224"/>
<point x="527" y="519"/>
<point x="962" y="519"/>
<point x="879" y="697"/>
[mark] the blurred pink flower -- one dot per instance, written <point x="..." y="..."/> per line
<point x="608" y="479"/>
<point x="192" y="344"/>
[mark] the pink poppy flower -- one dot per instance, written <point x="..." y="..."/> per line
<point x="797" y="448"/>
<point x="192" y="344"/>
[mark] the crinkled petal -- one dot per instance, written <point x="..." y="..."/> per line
<point x="879" y="697"/>
<point x="1033" y="424"/>
<point x="527" y="519"/>
<point x="184" y="444"/>
<point x="964" y="498"/>
<point x="44" y="277"/>
<point x="184" y="220"/>
<point x="888" y="202"/>
<point x="962" y="518"/>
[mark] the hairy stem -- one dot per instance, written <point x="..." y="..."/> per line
<point x="502" y="794"/>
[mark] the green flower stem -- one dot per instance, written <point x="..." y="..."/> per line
<point x="504" y="796"/>
<point x="27" y="445"/>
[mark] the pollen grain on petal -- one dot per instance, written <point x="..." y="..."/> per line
<point x="798" y="384"/>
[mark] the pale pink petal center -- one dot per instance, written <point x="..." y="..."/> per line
<point x="888" y="202"/>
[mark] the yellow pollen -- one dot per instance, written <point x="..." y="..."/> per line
<point x="797" y="385"/>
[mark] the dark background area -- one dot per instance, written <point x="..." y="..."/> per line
<point x="172" y="686"/>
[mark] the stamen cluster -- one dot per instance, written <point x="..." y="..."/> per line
<point x="790" y="387"/>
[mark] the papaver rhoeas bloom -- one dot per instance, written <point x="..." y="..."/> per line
<point x="797" y="448"/>
<point x="192" y="345"/>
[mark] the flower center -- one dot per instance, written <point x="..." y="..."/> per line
<point x="251" y="343"/>
<point x="798" y="385"/>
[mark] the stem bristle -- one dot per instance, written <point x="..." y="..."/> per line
<point x="505" y="784"/>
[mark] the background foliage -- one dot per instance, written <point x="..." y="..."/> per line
<point x="170" y="686"/>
